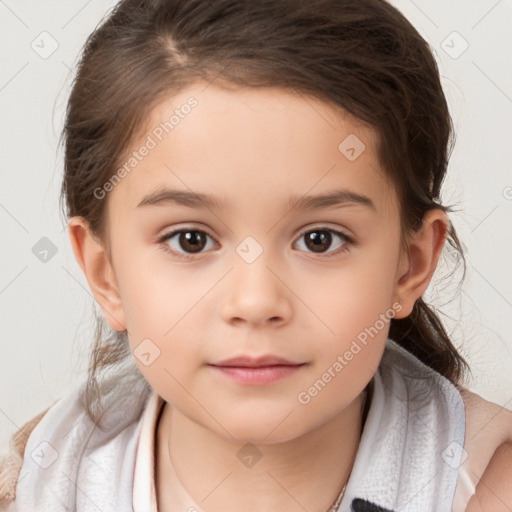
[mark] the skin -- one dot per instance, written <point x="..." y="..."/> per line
<point x="494" y="489"/>
<point x="253" y="149"/>
<point x="488" y="467"/>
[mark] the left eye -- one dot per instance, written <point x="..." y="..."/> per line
<point x="319" y="240"/>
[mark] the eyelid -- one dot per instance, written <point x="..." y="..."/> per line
<point x="326" y="227"/>
<point x="186" y="227"/>
<point x="350" y="240"/>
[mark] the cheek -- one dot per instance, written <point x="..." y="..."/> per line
<point x="162" y="311"/>
<point x="354" y="298"/>
<point x="356" y="306"/>
<point x="163" y="338"/>
<point x="153" y="299"/>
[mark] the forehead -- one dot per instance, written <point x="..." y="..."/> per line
<point x="251" y="146"/>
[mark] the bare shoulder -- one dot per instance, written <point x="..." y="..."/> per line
<point x="485" y="478"/>
<point x="486" y="419"/>
<point x="494" y="488"/>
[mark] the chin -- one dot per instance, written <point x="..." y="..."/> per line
<point x="261" y="430"/>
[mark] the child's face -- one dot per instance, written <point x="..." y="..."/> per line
<point x="256" y="287"/>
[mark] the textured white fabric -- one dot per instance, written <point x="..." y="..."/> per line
<point x="412" y="441"/>
<point x="407" y="460"/>
<point x="71" y="464"/>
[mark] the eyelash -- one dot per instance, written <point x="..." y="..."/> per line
<point x="188" y="256"/>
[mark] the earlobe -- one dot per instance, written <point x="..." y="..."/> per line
<point x="424" y="248"/>
<point x="92" y="257"/>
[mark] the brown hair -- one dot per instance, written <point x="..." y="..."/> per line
<point x="361" y="55"/>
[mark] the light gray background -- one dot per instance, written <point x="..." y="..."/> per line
<point x="46" y="308"/>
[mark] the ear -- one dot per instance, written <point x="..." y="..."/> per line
<point x="418" y="263"/>
<point x="95" y="264"/>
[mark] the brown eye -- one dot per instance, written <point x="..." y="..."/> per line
<point x="318" y="241"/>
<point x="321" y="240"/>
<point x="185" y="241"/>
<point x="192" y="241"/>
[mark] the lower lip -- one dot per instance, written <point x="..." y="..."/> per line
<point x="257" y="376"/>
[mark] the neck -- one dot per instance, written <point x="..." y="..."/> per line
<point x="306" y="473"/>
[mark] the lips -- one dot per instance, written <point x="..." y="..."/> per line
<point x="255" y="362"/>
<point x="256" y="371"/>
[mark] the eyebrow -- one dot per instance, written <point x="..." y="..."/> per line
<point x="335" y="198"/>
<point x="340" y="197"/>
<point x="167" y="196"/>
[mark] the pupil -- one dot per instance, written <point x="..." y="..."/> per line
<point x="192" y="241"/>
<point x="320" y="240"/>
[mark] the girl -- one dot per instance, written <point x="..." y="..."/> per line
<point x="253" y="193"/>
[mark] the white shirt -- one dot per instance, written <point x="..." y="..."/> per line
<point x="144" y="488"/>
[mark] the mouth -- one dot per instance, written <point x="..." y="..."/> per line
<point x="256" y="371"/>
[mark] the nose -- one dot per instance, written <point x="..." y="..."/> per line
<point x="256" y="295"/>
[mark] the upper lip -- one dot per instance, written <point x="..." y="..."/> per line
<point x="255" y="362"/>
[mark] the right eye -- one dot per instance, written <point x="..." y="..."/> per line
<point x="185" y="242"/>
